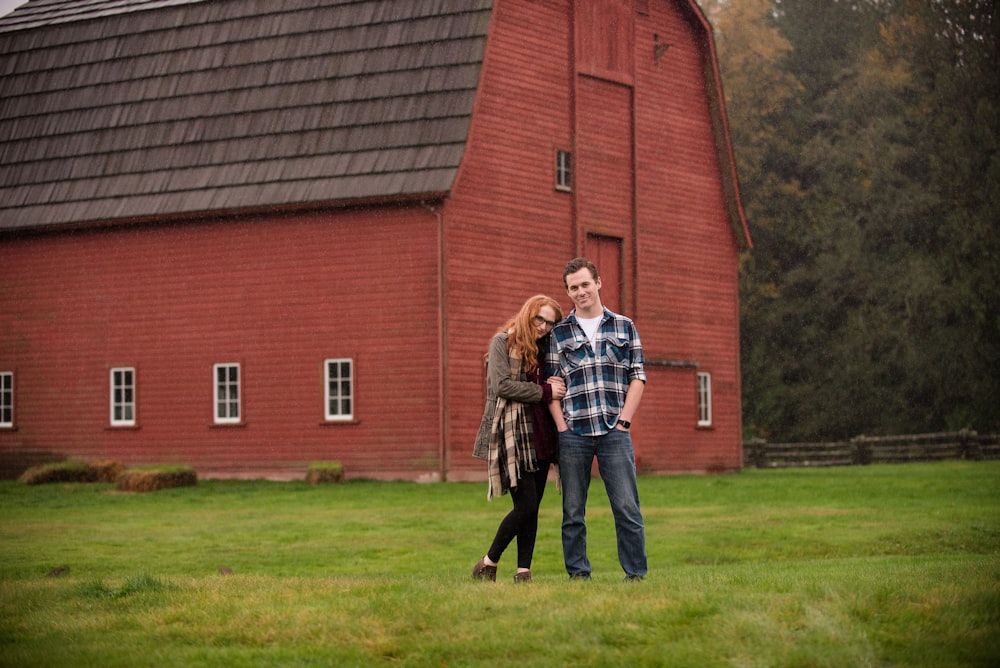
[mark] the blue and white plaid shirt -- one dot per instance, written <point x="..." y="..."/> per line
<point x="596" y="384"/>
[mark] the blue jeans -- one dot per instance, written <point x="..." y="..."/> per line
<point x="616" y="462"/>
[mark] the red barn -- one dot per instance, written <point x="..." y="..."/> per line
<point x="245" y="236"/>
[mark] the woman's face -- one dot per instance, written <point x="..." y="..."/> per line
<point x="545" y="321"/>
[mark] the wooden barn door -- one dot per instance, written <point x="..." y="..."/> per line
<point x="605" y="179"/>
<point x="606" y="253"/>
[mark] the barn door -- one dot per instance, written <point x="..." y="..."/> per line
<point x="607" y="254"/>
<point x="605" y="175"/>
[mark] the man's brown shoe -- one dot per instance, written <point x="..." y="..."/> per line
<point x="482" y="571"/>
<point x="523" y="576"/>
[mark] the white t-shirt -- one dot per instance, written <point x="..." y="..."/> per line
<point x="590" y="327"/>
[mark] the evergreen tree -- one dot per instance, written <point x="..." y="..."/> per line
<point x="866" y="135"/>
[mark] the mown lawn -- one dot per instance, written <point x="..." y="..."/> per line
<point x="891" y="565"/>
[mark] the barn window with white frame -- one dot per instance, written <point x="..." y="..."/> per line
<point x="339" y="392"/>
<point x="227" y="393"/>
<point x="704" y="399"/>
<point x="6" y="398"/>
<point x="123" y="397"/>
<point x="563" y="171"/>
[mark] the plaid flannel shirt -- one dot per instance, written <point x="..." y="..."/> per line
<point x="596" y="384"/>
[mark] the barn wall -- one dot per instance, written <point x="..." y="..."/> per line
<point x="276" y="295"/>
<point x="686" y="253"/>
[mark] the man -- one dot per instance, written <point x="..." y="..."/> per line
<point x="598" y="354"/>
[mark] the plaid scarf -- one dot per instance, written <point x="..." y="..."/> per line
<point x="511" y="451"/>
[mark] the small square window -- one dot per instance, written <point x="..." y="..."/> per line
<point x="339" y="389"/>
<point x="564" y="174"/>
<point x="704" y="399"/>
<point x="227" y="393"/>
<point x="6" y="398"/>
<point x="123" y="397"/>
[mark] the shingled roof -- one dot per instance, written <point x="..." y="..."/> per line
<point x="133" y="109"/>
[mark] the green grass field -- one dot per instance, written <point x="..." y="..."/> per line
<point x="860" y="566"/>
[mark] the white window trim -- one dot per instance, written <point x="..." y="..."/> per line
<point x="115" y="403"/>
<point x="7" y="398"/>
<point x="704" y="399"/>
<point x="337" y="417"/>
<point x="227" y="419"/>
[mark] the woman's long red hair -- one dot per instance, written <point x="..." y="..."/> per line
<point x="522" y="337"/>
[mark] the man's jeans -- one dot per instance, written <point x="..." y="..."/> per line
<point x="616" y="462"/>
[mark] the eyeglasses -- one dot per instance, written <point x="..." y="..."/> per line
<point x="542" y="322"/>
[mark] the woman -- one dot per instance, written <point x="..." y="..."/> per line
<point x="517" y="436"/>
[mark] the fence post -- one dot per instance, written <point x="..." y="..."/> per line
<point x="861" y="451"/>
<point x="756" y="449"/>
<point x="968" y="445"/>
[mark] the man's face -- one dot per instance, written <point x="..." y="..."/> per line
<point x="583" y="289"/>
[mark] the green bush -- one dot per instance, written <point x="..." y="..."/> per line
<point x="153" y="478"/>
<point x="107" y="471"/>
<point x="71" y="470"/>
<point x="323" y="472"/>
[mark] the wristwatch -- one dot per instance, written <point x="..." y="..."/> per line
<point x="625" y="423"/>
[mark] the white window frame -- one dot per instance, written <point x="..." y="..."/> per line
<point x="704" y="399"/>
<point x="336" y="394"/>
<point x="6" y="399"/>
<point x="564" y="171"/>
<point x="122" y="398"/>
<point x="223" y="403"/>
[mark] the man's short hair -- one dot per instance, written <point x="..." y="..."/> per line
<point x="576" y="265"/>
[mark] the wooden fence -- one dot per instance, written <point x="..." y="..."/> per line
<point x="861" y="450"/>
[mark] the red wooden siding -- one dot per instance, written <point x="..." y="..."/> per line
<point x="277" y="296"/>
<point x="687" y="255"/>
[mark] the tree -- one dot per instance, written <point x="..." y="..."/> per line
<point x="866" y="140"/>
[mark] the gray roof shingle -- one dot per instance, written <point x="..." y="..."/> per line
<point x="137" y="108"/>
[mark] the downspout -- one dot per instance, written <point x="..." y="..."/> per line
<point x="442" y="348"/>
<point x="575" y="155"/>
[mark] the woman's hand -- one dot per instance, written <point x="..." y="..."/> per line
<point x="558" y="387"/>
